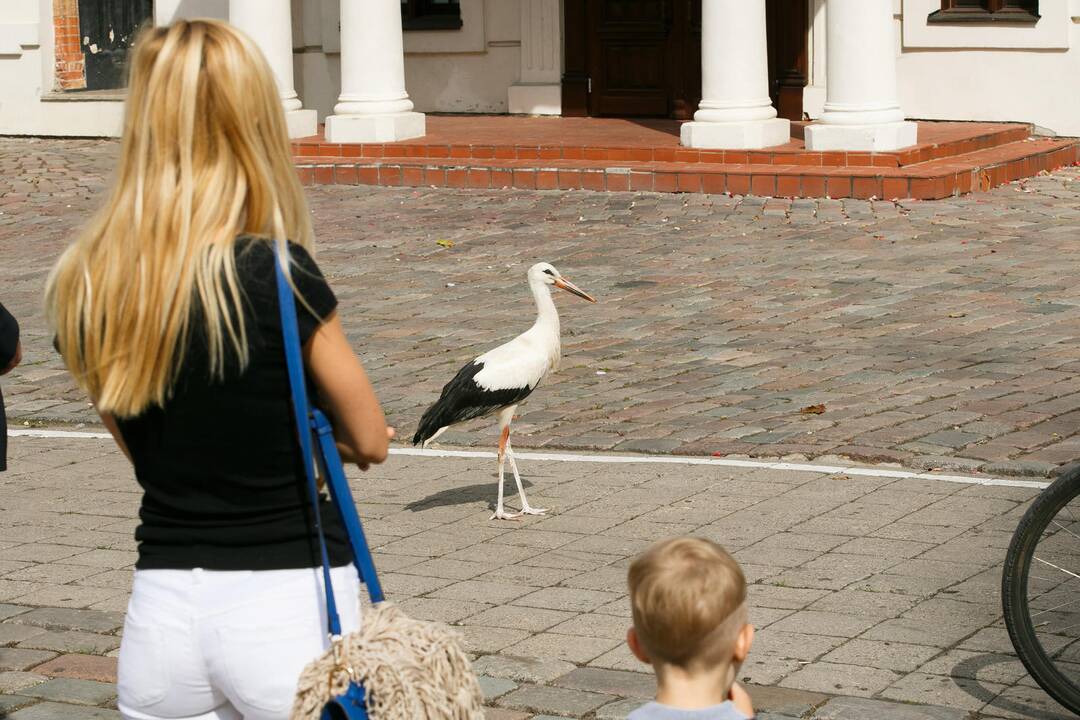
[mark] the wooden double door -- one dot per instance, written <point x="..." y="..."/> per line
<point x="642" y="58"/>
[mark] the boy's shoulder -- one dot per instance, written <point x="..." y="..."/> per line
<point x="656" y="711"/>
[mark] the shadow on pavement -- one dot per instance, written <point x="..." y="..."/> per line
<point x="964" y="675"/>
<point x="481" y="492"/>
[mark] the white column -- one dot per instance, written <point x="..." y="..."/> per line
<point x="735" y="110"/>
<point x="165" y="11"/>
<point x="269" y="24"/>
<point x="862" y="111"/>
<point x="373" y="105"/>
<point x="539" y="92"/>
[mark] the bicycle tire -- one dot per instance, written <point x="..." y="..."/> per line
<point x="1014" y="589"/>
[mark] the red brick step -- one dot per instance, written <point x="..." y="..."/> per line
<point x="977" y="169"/>
<point x="536" y="139"/>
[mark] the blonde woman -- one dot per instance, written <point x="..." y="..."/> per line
<point x="166" y="313"/>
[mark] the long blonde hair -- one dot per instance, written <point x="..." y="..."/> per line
<point x="204" y="158"/>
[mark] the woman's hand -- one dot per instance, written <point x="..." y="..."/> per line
<point x="347" y="454"/>
<point x="741" y="699"/>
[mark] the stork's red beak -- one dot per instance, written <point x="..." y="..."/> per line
<point x="572" y="288"/>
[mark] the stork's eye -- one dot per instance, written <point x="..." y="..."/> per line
<point x="549" y="272"/>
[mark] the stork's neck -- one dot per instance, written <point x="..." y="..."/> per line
<point x="547" y="318"/>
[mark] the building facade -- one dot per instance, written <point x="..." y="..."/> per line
<point x="738" y="68"/>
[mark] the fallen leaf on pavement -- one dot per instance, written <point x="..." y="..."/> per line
<point x="813" y="409"/>
<point x="957" y="315"/>
<point x="445" y="243"/>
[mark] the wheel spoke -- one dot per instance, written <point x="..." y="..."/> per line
<point x="1056" y="567"/>
<point x="1055" y="522"/>
<point x="1056" y="607"/>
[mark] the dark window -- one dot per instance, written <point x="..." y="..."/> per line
<point x="1015" y="11"/>
<point x="107" y="29"/>
<point x="431" y="14"/>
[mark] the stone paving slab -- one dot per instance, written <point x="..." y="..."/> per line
<point x="875" y="597"/>
<point x="935" y="335"/>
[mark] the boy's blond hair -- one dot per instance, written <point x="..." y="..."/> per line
<point x="688" y="597"/>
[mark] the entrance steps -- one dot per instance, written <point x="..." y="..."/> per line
<point x="491" y="152"/>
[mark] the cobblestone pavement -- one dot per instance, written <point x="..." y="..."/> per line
<point x="874" y="597"/>
<point x="940" y="334"/>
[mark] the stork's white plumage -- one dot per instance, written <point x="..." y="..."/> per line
<point x="498" y="380"/>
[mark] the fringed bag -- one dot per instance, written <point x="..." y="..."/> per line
<point x="393" y="667"/>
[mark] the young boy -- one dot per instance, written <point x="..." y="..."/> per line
<point x="688" y="598"/>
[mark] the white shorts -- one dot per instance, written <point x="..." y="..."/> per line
<point x="217" y="645"/>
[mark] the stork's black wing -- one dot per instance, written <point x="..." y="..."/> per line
<point x="463" y="399"/>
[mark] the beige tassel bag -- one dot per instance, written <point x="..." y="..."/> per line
<point x="411" y="670"/>
<point x="393" y="667"/>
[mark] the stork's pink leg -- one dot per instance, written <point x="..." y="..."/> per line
<point x="526" y="509"/>
<point x="500" y="513"/>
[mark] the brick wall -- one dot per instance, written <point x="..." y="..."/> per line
<point x="70" y="68"/>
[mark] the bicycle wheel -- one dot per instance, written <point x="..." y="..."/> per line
<point x="1040" y="590"/>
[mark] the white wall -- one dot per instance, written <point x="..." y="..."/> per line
<point x="26" y="73"/>
<point x="467" y="70"/>
<point x="447" y="71"/>
<point x="1004" y="72"/>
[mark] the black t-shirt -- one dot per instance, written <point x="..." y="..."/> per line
<point x="219" y="464"/>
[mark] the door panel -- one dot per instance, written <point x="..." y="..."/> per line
<point x="629" y="57"/>
<point x="788" y="27"/>
<point x="643" y="57"/>
<point x="685" y="48"/>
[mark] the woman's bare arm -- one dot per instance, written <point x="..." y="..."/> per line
<point x="359" y="424"/>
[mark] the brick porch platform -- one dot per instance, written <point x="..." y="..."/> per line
<point x="619" y="154"/>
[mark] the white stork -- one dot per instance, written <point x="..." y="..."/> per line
<point x="500" y="379"/>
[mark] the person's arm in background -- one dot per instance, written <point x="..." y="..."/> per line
<point x="10" y="347"/>
<point x="359" y="425"/>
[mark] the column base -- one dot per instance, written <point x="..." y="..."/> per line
<point x="302" y="123"/>
<point x="864" y="138"/>
<point x="535" y="99"/>
<point x="745" y="135"/>
<point x="390" y="127"/>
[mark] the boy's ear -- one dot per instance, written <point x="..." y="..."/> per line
<point x="743" y="642"/>
<point x="634" y="642"/>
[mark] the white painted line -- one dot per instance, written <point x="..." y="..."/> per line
<point x="874" y="472"/>
<point x="59" y="434"/>
<point x="727" y="462"/>
<point x="646" y="459"/>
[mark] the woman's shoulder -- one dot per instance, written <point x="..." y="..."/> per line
<point x="255" y="258"/>
<point x="259" y="251"/>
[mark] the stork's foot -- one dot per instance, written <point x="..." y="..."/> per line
<point x="501" y="514"/>
<point x="533" y="511"/>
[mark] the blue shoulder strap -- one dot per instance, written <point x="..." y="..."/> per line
<point x="307" y="421"/>
<point x="334" y="472"/>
